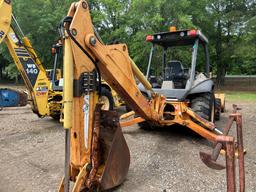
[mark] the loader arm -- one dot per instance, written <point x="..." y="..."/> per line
<point x="26" y="60"/>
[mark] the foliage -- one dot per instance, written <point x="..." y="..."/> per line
<point x="229" y="24"/>
<point x="12" y="71"/>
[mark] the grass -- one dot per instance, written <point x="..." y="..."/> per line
<point x="241" y="96"/>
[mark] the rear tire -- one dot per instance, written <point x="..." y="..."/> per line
<point x="203" y="104"/>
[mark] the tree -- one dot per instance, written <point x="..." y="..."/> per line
<point x="228" y="24"/>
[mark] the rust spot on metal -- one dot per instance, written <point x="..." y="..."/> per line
<point x="116" y="152"/>
<point x="229" y="144"/>
<point x="95" y="155"/>
<point x="110" y="156"/>
<point x="207" y="160"/>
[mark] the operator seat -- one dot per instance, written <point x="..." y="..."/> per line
<point x="177" y="74"/>
<point x="153" y="81"/>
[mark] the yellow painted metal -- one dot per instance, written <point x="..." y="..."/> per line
<point x="140" y="76"/>
<point x="58" y="74"/>
<point x="223" y="152"/>
<point x="68" y="84"/>
<point x="221" y="96"/>
<point x="40" y="99"/>
<point x="5" y="19"/>
<point x="30" y="48"/>
<point x="118" y="101"/>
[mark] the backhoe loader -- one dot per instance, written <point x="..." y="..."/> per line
<point x="96" y="154"/>
<point x="179" y="77"/>
<point x="45" y="101"/>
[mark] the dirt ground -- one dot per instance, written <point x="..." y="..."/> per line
<point x="164" y="160"/>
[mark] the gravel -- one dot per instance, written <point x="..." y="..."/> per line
<point x="163" y="160"/>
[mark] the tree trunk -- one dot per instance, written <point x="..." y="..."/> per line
<point x="219" y="60"/>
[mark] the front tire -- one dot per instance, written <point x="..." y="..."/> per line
<point x="107" y="100"/>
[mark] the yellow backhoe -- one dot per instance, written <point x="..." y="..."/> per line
<point x="97" y="157"/>
<point x="45" y="101"/>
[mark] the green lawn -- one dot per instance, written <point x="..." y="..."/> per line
<point x="240" y="96"/>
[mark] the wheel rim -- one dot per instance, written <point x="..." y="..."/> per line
<point x="105" y="101"/>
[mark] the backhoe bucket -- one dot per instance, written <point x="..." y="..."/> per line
<point x="116" y="154"/>
<point x="5" y="18"/>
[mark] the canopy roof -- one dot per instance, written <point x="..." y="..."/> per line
<point x="178" y="38"/>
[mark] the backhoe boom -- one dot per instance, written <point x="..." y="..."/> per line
<point x="97" y="156"/>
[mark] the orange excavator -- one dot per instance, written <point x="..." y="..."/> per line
<point x="96" y="154"/>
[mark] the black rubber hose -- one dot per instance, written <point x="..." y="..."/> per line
<point x="69" y="20"/>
